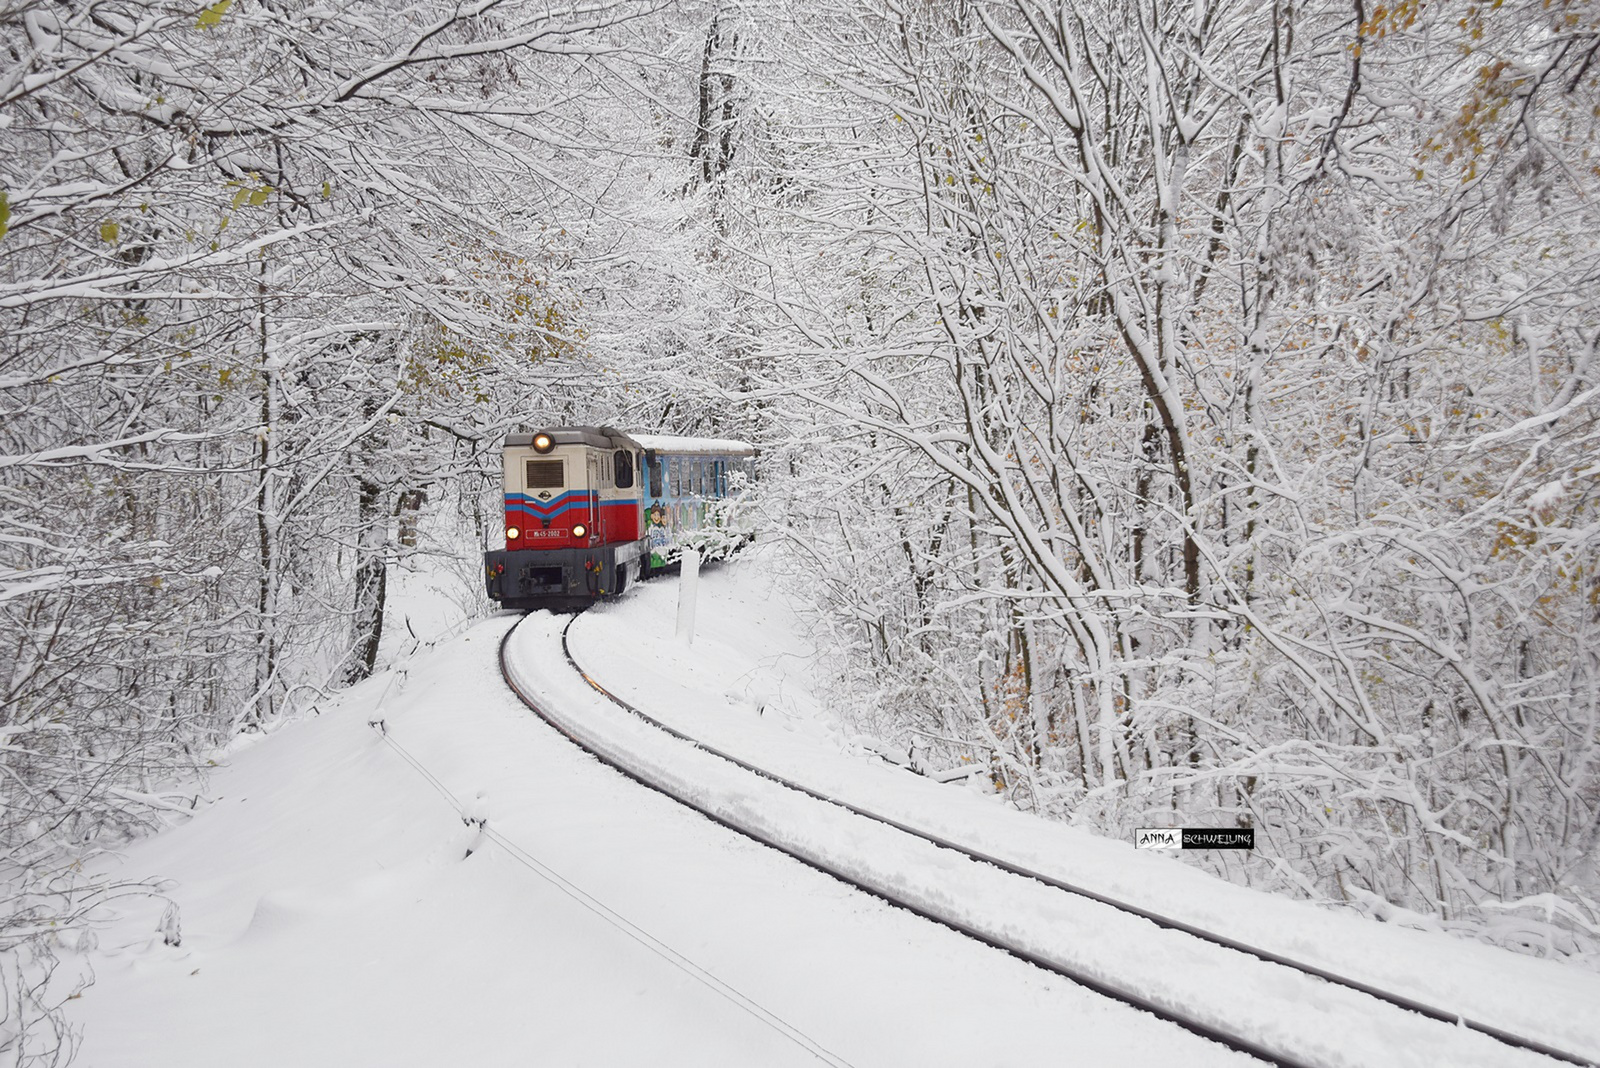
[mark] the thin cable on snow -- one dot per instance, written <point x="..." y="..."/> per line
<point x="661" y="949"/>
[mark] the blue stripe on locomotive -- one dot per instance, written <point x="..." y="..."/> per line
<point x="569" y="499"/>
<point x="565" y="503"/>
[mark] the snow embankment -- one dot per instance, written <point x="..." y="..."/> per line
<point x="329" y="917"/>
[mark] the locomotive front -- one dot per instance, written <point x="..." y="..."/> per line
<point x="574" y="518"/>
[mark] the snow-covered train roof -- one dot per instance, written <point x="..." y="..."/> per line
<point x="673" y="443"/>
<point x="608" y="437"/>
<point x="600" y="437"/>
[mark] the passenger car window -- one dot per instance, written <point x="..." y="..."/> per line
<point x="623" y="462"/>
<point x="654" y="467"/>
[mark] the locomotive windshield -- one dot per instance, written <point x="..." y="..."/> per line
<point x="544" y="474"/>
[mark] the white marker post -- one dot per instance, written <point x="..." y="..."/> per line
<point x="688" y="588"/>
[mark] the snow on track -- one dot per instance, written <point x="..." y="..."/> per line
<point x="1304" y="1018"/>
<point x="691" y="689"/>
<point x="978" y="853"/>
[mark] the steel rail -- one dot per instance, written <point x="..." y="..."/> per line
<point x="1170" y="1014"/>
<point x="1239" y="1043"/>
<point x="1398" y="1000"/>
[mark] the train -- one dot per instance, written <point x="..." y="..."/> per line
<point x="591" y="509"/>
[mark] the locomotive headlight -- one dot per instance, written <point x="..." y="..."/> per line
<point x="579" y="530"/>
<point x="512" y="533"/>
<point x="542" y="443"/>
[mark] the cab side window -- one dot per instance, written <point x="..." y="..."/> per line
<point x="623" y="464"/>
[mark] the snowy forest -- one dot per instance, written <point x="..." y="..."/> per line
<point x="1187" y="410"/>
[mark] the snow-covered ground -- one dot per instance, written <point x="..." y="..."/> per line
<point x="743" y="690"/>
<point x="329" y="915"/>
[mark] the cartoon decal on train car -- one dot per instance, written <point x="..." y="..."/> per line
<point x="658" y="532"/>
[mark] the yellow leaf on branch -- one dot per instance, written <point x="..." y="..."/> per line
<point x="212" y="16"/>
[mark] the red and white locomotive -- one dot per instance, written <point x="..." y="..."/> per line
<point x="591" y="509"/>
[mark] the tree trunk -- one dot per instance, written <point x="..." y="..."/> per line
<point x="371" y="581"/>
<point x="268" y="521"/>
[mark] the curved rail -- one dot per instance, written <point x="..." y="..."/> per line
<point x="1198" y="1027"/>
<point x="1397" y="1000"/>
<point x="1212" y="1032"/>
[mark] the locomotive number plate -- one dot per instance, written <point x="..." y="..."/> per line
<point x="547" y="533"/>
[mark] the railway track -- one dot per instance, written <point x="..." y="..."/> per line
<point x="1194" y="1022"/>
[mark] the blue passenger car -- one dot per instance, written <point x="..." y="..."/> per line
<point x="689" y="487"/>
